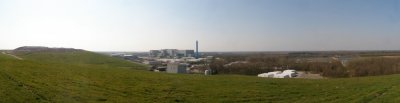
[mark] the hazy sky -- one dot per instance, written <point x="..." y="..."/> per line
<point x="219" y="25"/>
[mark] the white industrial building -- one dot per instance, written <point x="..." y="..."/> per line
<point x="279" y="74"/>
<point x="177" y="68"/>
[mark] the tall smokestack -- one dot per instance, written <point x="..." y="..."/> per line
<point x="197" y="49"/>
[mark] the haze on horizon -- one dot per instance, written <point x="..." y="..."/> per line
<point x="219" y="25"/>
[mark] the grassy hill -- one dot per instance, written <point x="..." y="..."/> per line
<point x="83" y="76"/>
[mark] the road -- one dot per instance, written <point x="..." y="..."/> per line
<point x="13" y="56"/>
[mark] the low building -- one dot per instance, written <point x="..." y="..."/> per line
<point x="155" y="53"/>
<point x="279" y="74"/>
<point x="177" y="68"/>
<point x="153" y="63"/>
<point x="130" y="57"/>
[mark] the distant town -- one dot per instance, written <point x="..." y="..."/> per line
<point x="172" y="60"/>
<point x="307" y="64"/>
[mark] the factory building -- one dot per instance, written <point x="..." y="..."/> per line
<point x="175" y="53"/>
<point x="171" y="53"/>
<point x="177" y="68"/>
<point x="185" y="53"/>
<point x="168" y="53"/>
<point x="155" y="53"/>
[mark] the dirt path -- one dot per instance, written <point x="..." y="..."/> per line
<point x="16" y="57"/>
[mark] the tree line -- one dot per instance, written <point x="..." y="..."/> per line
<point x="254" y="65"/>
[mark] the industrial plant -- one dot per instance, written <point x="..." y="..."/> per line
<point x="175" y="53"/>
<point x="178" y="61"/>
<point x="171" y="53"/>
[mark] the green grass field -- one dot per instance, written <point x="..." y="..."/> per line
<point x="69" y="77"/>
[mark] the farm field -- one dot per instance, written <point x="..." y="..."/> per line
<point x="89" y="77"/>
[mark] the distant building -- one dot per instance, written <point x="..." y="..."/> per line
<point x="155" y="53"/>
<point x="279" y="74"/>
<point x="130" y="57"/>
<point x="177" y="68"/>
<point x="171" y="53"/>
<point x="185" y="53"/>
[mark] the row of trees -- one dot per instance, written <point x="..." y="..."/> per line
<point x="327" y="69"/>
<point x="358" y="67"/>
<point x="374" y="66"/>
<point x="254" y="65"/>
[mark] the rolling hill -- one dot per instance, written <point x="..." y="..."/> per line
<point x="83" y="76"/>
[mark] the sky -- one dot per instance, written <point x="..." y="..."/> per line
<point x="218" y="25"/>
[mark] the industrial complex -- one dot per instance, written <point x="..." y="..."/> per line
<point x="178" y="61"/>
<point x="175" y="53"/>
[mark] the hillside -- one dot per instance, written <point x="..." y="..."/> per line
<point x="82" y="76"/>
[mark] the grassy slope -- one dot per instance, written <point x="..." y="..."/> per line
<point x="88" y="77"/>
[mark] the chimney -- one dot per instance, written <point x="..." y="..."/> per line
<point x="197" y="49"/>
